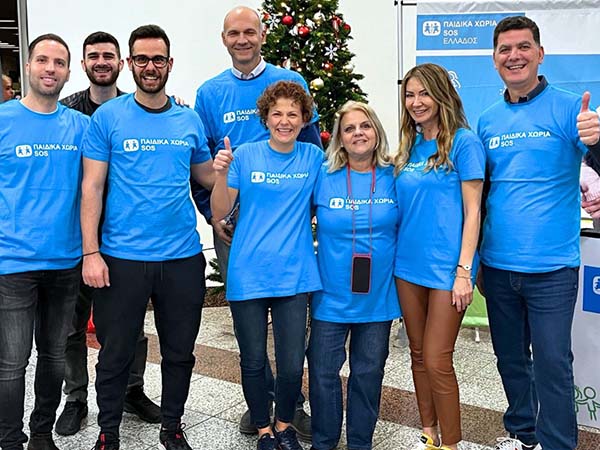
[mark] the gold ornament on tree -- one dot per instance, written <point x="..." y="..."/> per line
<point x="317" y="84"/>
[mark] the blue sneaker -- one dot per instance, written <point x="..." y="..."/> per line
<point x="266" y="442"/>
<point x="287" y="439"/>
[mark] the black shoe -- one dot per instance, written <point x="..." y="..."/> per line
<point x="41" y="441"/>
<point x="266" y="442"/>
<point x="246" y="425"/>
<point x="174" y="440"/>
<point x="107" y="441"/>
<point x="287" y="439"/>
<point x="301" y="423"/>
<point x="136" y="402"/>
<point x="69" y="421"/>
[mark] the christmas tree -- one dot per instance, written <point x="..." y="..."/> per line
<point x="311" y="37"/>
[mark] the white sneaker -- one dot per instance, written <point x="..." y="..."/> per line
<point x="509" y="443"/>
<point x="425" y="442"/>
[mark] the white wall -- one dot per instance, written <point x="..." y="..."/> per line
<point x="194" y="28"/>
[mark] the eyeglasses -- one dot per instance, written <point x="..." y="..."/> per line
<point x="143" y="60"/>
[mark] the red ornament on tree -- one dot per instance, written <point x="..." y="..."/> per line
<point x="303" y="31"/>
<point x="346" y="28"/>
<point x="335" y="23"/>
<point x="328" y="66"/>
<point x="325" y="136"/>
<point x="287" y="20"/>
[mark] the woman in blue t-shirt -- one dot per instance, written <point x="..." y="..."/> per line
<point x="357" y="220"/>
<point x="440" y="168"/>
<point x="272" y="265"/>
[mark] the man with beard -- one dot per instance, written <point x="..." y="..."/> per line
<point x="146" y="146"/>
<point x="40" y="241"/>
<point x="102" y="64"/>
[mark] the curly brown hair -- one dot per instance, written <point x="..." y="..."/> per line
<point x="285" y="89"/>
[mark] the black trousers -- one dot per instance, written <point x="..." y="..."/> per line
<point x="177" y="289"/>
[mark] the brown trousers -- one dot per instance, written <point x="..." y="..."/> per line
<point x="432" y="326"/>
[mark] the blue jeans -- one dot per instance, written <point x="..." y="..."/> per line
<point x="250" y="320"/>
<point x="41" y="304"/>
<point x="535" y="310"/>
<point x="222" y="250"/>
<point x="369" y="348"/>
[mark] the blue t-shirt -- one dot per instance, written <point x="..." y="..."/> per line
<point x="40" y="174"/>
<point x="431" y="211"/>
<point x="336" y="302"/>
<point x="533" y="207"/>
<point x="272" y="252"/>
<point x="149" y="215"/>
<point x="227" y="106"/>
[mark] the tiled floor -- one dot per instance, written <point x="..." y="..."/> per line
<point x="216" y="403"/>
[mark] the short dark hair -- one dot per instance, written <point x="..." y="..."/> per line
<point x="517" y="23"/>
<point x="149" y="32"/>
<point x="289" y="90"/>
<point x="49" y="37"/>
<point x="101" y="37"/>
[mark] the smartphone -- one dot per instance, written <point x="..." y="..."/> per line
<point x="361" y="274"/>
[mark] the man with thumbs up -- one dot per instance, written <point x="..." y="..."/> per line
<point x="534" y="139"/>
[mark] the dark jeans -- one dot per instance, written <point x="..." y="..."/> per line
<point x="369" y="349"/>
<point x="76" y="364"/>
<point x="222" y="250"/>
<point x="177" y="289"/>
<point x="33" y="304"/>
<point x="534" y="311"/>
<point x="250" y="319"/>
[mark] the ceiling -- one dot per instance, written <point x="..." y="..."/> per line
<point x="8" y="25"/>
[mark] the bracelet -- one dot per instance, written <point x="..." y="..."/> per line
<point x="90" y="253"/>
<point x="462" y="276"/>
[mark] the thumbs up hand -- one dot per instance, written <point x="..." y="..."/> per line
<point x="588" y="123"/>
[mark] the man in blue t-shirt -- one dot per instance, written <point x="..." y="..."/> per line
<point x="40" y="241"/>
<point x="534" y="140"/>
<point x="143" y="147"/>
<point x="227" y="106"/>
<point x="102" y="64"/>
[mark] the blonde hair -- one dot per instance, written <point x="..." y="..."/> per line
<point x="337" y="157"/>
<point x="451" y="116"/>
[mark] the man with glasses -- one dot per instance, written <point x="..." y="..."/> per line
<point x="227" y="106"/>
<point x="102" y="64"/>
<point x="146" y="146"/>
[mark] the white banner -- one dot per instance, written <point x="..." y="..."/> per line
<point x="586" y="335"/>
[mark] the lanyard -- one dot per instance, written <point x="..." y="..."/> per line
<point x="371" y="192"/>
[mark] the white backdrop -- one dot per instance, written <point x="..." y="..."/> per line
<point x="194" y="28"/>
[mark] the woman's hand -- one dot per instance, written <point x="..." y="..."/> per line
<point x="223" y="158"/>
<point x="462" y="292"/>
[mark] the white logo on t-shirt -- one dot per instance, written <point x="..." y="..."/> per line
<point x="494" y="142"/>
<point x="131" y="145"/>
<point x="23" y="151"/>
<point x="257" y="177"/>
<point x="229" y="117"/>
<point x="336" y="203"/>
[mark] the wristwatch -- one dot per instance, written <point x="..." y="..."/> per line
<point x="466" y="267"/>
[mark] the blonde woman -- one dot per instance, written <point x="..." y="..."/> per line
<point x="357" y="219"/>
<point x="440" y="170"/>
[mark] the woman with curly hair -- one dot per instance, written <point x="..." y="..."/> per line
<point x="440" y="167"/>
<point x="272" y="265"/>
